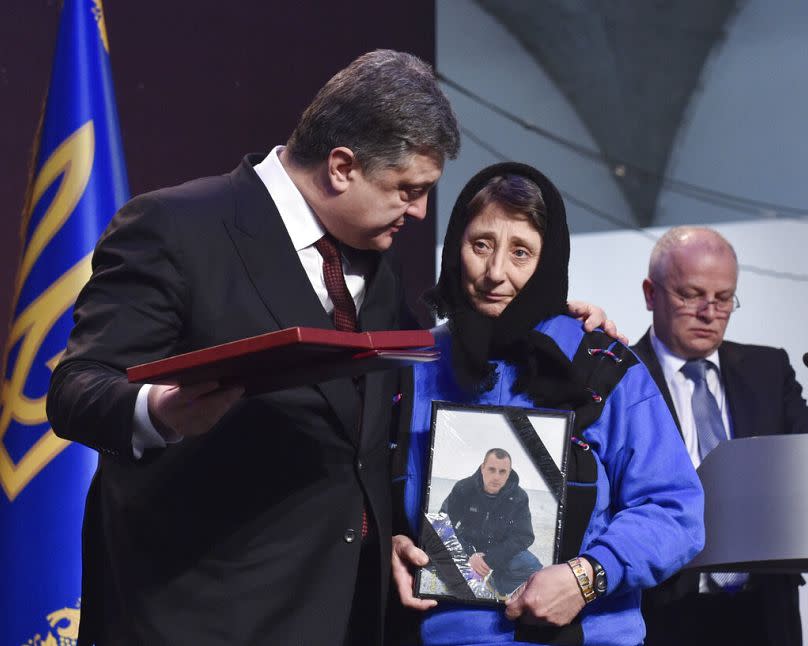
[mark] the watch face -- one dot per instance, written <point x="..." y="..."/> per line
<point x="600" y="582"/>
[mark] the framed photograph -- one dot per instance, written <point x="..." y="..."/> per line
<point x="494" y="499"/>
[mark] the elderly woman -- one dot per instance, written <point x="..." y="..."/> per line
<point x="634" y="502"/>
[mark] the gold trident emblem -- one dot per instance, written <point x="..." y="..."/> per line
<point x="71" y="163"/>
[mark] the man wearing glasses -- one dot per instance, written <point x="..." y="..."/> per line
<point x="716" y="390"/>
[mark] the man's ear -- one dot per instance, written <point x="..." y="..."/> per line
<point x="648" y="290"/>
<point x="341" y="161"/>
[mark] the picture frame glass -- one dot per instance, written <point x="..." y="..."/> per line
<point x="494" y="499"/>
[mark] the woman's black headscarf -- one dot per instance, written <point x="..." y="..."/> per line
<point x="545" y="373"/>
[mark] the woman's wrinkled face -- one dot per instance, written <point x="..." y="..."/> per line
<point x="499" y="252"/>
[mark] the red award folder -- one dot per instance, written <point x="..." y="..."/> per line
<point x="292" y="357"/>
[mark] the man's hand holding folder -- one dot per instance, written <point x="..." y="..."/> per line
<point x="194" y="409"/>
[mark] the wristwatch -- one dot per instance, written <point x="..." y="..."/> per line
<point x="600" y="584"/>
<point x="583" y="580"/>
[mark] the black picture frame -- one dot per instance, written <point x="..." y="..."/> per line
<point x="536" y="447"/>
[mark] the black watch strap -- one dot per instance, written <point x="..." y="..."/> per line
<point x="599" y="583"/>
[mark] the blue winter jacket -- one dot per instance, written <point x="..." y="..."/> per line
<point x="647" y="520"/>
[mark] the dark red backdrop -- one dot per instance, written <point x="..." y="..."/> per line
<point x="199" y="85"/>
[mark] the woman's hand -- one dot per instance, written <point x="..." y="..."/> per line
<point x="594" y="316"/>
<point x="550" y="596"/>
<point x="406" y="556"/>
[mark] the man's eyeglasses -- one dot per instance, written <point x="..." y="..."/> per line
<point x="722" y="304"/>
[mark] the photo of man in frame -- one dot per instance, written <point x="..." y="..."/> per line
<point x="491" y="511"/>
<point x="490" y="514"/>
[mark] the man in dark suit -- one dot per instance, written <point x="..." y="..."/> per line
<point x="216" y="519"/>
<point x="745" y="390"/>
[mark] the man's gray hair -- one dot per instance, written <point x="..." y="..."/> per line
<point x="385" y="106"/>
<point x="708" y="240"/>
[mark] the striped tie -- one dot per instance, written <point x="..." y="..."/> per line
<point x="711" y="432"/>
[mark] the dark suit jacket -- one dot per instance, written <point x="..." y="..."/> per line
<point x="242" y="535"/>
<point x="764" y="399"/>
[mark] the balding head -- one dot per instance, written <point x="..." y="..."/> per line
<point x="687" y="239"/>
<point x="692" y="271"/>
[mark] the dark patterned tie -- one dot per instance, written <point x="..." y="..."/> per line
<point x="710" y="431"/>
<point x="344" y="306"/>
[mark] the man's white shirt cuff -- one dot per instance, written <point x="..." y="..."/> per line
<point x="144" y="434"/>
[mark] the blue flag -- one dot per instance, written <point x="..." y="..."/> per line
<point x="79" y="181"/>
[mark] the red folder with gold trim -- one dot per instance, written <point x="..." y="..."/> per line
<point x="291" y="357"/>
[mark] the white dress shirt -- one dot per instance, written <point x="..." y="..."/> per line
<point x="681" y="389"/>
<point x="304" y="230"/>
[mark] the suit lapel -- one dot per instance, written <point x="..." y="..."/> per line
<point x="740" y="395"/>
<point x="645" y="350"/>
<point x="380" y="306"/>
<point x="379" y="312"/>
<point x="272" y="264"/>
